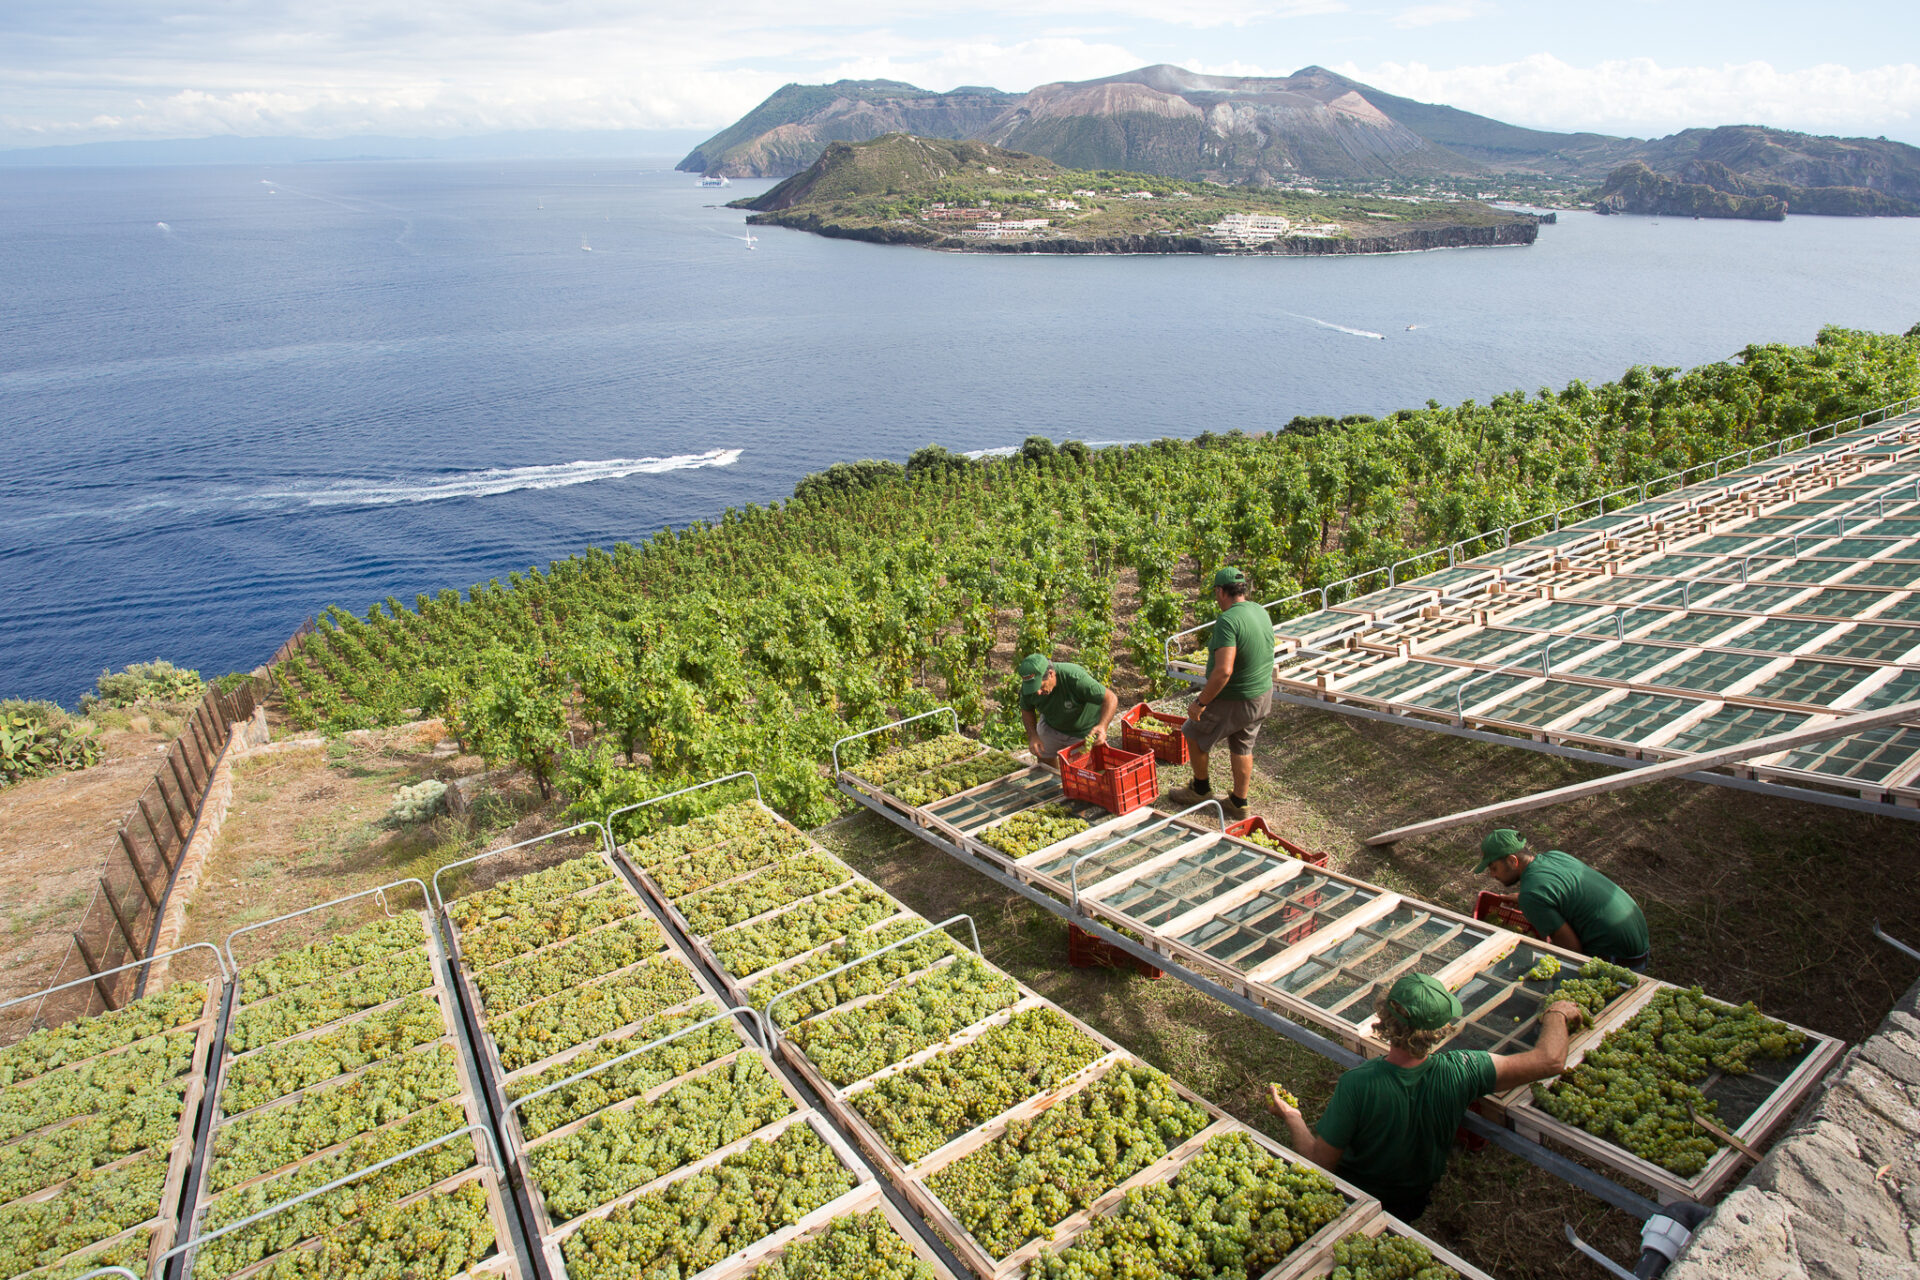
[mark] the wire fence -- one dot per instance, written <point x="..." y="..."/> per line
<point x="122" y="922"/>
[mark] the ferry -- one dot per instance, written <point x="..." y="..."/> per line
<point x="714" y="180"/>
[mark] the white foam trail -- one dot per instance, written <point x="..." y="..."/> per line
<point x="498" y="480"/>
<point x="164" y="227"/>
<point x="1328" y="324"/>
<point x="1008" y="450"/>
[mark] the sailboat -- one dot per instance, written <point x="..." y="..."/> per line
<point x="584" y="246"/>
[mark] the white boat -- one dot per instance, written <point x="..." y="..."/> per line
<point x="714" y="180"/>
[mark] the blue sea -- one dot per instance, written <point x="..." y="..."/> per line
<point x="231" y="396"/>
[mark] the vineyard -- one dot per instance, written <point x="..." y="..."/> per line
<point x="751" y="641"/>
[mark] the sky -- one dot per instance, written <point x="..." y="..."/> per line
<point x="74" y="71"/>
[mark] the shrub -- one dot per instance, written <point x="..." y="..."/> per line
<point x="38" y="738"/>
<point x="417" y="803"/>
<point x="159" y="681"/>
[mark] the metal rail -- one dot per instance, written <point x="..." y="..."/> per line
<point x="1779" y="790"/>
<point x="766" y="1046"/>
<point x="226" y="974"/>
<point x="441" y="903"/>
<point x="895" y="724"/>
<point x="1552" y="1162"/>
<point x="195" y="1240"/>
<point x="378" y="894"/>
<point x="1895" y="943"/>
<point x="942" y="927"/>
<point x="607" y="822"/>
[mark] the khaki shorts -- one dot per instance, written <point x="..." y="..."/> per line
<point x="1053" y="742"/>
<point x="1235" y="719"/>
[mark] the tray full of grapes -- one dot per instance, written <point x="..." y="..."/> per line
<point x="96" y="1132"/>
<point x="1635" y="1096"/>
<point x="1384" y="1249"/>
<point x="869" y="1240"/>
<point x="341" y="1055"/>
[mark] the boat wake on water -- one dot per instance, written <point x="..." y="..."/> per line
<point x="495" y="480"/>
<point x="1328" y="324"/>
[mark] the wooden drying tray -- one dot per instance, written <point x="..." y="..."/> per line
<point x="164" y="1225"/>
<point x="911" y="1177"/>
<point x="870" y="1198"/>
<point x="505" y="1261"/>
<point x="1320" y="1263"/>
<point x="1527" y="1119"/>
<point x="743" y="1261"/>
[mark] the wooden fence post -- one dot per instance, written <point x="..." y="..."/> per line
<point x="139" y="873"/>
<point x="182" y="778"/>
<point x="196" y="782"/>
<point x="182" y="822"/>
<point x="134" y="950"/>
<point x="93" y="971"/>
<point x="154" y="829"/>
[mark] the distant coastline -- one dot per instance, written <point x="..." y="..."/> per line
<point x="967" y="197"/>
<point x="1521" y="231"/>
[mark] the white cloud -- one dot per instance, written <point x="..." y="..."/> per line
<point x="1015" y="67"/>
<point x="1640" y="96"/>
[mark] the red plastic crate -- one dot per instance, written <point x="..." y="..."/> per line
<point x="1488" y="907"/>
<point x="1118" y="781"/>
<point x="1138" y="733"/>
<point x="1258" y="823"/>
<point x="1084" y="951"/>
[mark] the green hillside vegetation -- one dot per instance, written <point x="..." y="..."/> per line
<point x="895" y="184"/>
<point x="756" y="640"/>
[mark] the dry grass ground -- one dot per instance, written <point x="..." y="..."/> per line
<point x="55" y="835"/>
<point x="309" y="824"/>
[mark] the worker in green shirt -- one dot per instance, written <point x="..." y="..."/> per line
<point x="1390" y="1123"/>
<point x="1566" y="901"/>
<point x="1237" y="696"/>
<point x="1062" y="704"/>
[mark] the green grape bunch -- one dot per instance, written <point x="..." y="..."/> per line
<point x="1636" y="1087"/>
<point x="1035" y="829"/>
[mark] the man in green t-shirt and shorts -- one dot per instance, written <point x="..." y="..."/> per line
<point x="1390" y="1123"/>
<point x="1568" y="902"/>
<point x="1238" y="694"/>
<point x="1062" y="704"/>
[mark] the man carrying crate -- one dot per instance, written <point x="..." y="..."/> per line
<point x="1062" y="704"/>
<point x="1566" y="901"/>
<point x="1390" y="1123"/>
<point x="1237" y="697"/>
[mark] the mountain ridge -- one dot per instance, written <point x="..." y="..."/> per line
<point x="1291" y="130"/>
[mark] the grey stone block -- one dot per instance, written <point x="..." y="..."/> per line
<point x="1750" y="1237"/>
<point x="1838" y="1204"/>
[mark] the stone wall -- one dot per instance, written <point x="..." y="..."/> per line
<point x="1839" y="1194"/>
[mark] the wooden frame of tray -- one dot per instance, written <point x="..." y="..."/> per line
<point x="505" y="1261"/>
<point x="165" y="1223"/>
<point x="911" y="1177"/>
<point x="1321" y="1263"/>
<point x="1527" y="1119"/>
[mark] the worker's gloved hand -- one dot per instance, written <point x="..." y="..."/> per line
<point x="1282" y="1103"/>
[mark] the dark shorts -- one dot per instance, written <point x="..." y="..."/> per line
<point x="1637" y="964"/>
<point x="1235" y="719"/>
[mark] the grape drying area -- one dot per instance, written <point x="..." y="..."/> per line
<point x="700" y="1048"/>
<point x="1314" y="947"/>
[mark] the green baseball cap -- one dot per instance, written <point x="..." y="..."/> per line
<point x="1229" y="577"/>
<point x="1503" y="843"/>
<point x="1424" y="1002"/>
<point x="1033" y="669"/>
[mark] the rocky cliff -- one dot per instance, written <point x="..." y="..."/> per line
<point x="1634" y="188"/>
